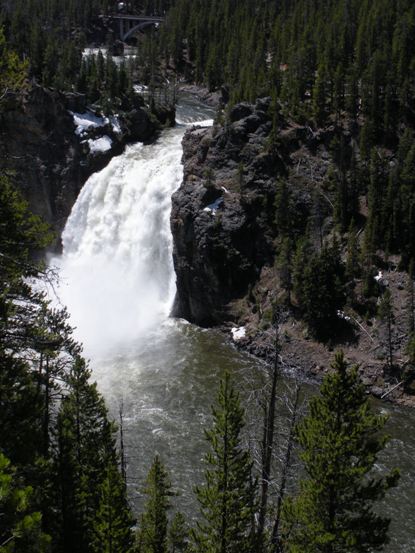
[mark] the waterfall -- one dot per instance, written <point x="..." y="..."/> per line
<point x="116" y="271"/>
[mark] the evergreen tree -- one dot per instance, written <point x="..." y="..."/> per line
<point x="178" y="535"/>
<point x="13" y="72"/>
<point x="227" y="497"/>
<point x="352" y="260"/>
<point x="340" y="440"/>
<point x="112" y="523"/>
<point x="20" y="527"/>
<point x="86" y="466"/>
<point x="285" y="266"/>
<point x="153" y="528"/>
<point x="322" y="292"/>
<point x="302" y="253"/>
<point x="320" y="96"/>
<point x="21" y="399"/>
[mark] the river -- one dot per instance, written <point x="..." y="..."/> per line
<point x="118" y="282"/>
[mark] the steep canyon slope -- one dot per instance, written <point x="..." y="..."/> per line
<point x="228" y="243"/>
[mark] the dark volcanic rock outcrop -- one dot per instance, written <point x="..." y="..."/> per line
<point x="49" y="159"/>
<point x="226" y="239"/>
<point x="223" y="214"/>
<point x="223" y="217"/>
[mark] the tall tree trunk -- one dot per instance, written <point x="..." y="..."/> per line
<point x="122" y="448"/>
<point x="268" y="442"/>
<point x="46" y="414"/>
<point x="275" y="539"/>
<point x="390" y="341"/>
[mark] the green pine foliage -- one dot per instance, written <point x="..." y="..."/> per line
<point x="85" y="460"/>
<point x="228" y="496"/>
<point x="342" y="62"/>
<point x="20" y="526"/>
<point x="386" y="315"/>
<point x="153" y="527"/>
<point x="112" y="523"/>
<point x="178" y="536"/>
<point x="13" y="71"/>
<point x="343" y="54"/>
<point x="340" y="440"/>
<point x="50" y="37"/>
<point x="156" y="533"/>
<point x="320" y="290"/>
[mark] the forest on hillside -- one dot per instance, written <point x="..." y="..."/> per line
<point x="348" y="65"/>
<point x="341" y="69"/>
<point x="344" y="62"/>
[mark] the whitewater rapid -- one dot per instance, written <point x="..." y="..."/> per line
<point x="116" y="271"/>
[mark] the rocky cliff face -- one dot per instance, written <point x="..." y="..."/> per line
<point x="223" y="218"/>
<point x="50" y="156"/>
<point x="226" y="240"/>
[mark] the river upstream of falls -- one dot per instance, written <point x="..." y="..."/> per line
<point x="118" y="282"/>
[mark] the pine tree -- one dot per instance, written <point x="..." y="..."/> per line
<point x="302" y="253"/>
<point x="13" y="72"/>
<point x="20" y="528"/>
<point x="320" y="96"/>
<point x="340" y="440"/>
<point x="178" y="535"/>
<point x="20" y="397"/>
<point x="227" y="497"/>
<point x="153" y="527"/>
<point x="322" y="292"/>
<point x="86" y="449"/>
<point x="285" y="266"/>
<point x="352" y="260"/>
<point x="112" y="523"/>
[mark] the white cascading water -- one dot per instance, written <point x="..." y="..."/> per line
<point x="116" y="272"/>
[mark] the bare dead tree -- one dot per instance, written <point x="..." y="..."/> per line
<point x="273" y="409"/>
<point x="268" y="437"/>
<point x="285" y="470"/>
<point x="411" y="294"/>
<point x="122" y="444"/>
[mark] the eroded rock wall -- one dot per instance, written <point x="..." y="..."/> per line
<point x="223" y="214"/>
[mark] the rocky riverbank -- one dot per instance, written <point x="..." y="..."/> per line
<point x="225" y="247"/>
<point x="51" y="143"/>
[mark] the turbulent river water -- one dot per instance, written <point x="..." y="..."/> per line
<point x="118" y="283"/>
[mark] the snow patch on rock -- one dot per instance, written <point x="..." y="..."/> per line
<point x="238" y="333"/>
<point x="379" y="277"/>
<point x="86" y="121"/>
<point x="100" y="145"/>
<point x="214" y="206"/>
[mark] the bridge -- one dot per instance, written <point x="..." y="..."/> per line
<point x="130" y="24"/>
